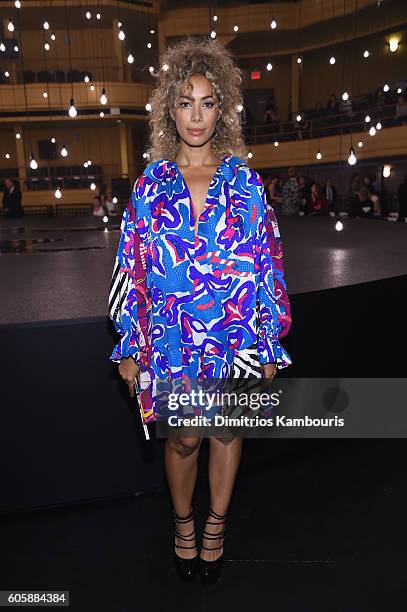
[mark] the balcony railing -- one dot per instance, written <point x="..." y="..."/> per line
<point x="324" y="125"/>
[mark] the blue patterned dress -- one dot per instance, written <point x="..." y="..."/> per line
<point x="184" y="304"/>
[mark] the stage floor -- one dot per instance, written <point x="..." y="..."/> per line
<point x="60" y="269"/>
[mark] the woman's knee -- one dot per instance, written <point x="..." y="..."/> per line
<point x="185" y="446"/>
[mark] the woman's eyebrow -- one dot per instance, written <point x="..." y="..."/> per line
<point x="189" y="97"/>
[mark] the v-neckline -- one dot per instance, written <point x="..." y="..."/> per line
<point x="191" y="205"/>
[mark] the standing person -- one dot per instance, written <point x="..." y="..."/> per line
<point x="198" y="253"/>
<point x="291" y="194"/>
<point x="12" y="200"/>
<point x="331" y="196"/>
<point x="402" y="198"/>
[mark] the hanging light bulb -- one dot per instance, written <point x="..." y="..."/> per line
<point x="85" y="164"/>
<point x="114" y="200"/>
<point x="319" y="155"/>
<point x="393" y="44"/>
<point x="10" y="25"/>
<point x="2" y="47"/>
<point x="17" y="4"/>
<point x="367" y="118"/>
<point x="399" y="90"/>
<point x="352" y="157"/>
<point x="269" y="66"/>
<point x="152" y="31"/>
<point x="332" y="61"/>
<point x="276" y="143"/>
<point x="89" y="162"/>
<point x="16" y="48"/>
<point x="148" y="107"/>
<point x="121" y="35"/>
<point x="98" y="16"/>
<point x="33" y="162"/>
<point x="58" y="193"/>
<point x="45" y="94"/>
<point x="366" y="54"/>
<point x="119" y="24"/>
<point x="386" y="88"/>
<point x="93" y="186"/>
<point x="101" y="114"/>
<point x="378" y="126"/>
<point x="298" y="117"/>
<point x="360" y="144"/>
<point x="64" y="151"/>
<point x="165" y="67"/>
<point x="72" y="112"/>
<point x="345" y="96"/>
<point x="339" y="226"/>
<point x="386" y="171"/>
<point x="103" y="97"/>
<point x="105" y="219"/>
<point x="250" y="155"/>
<point x="46" y="45"/>
<point x="7" y="155"/>
<point x="7" y="74"/>
<point x="45" y="25"/>
<point x="215" y="18"/>
<point x="151" y="69"/>
<point x="273" y="24"/>
<point x="53" y="140"/>
<point x="92" y="88"/>
<point x="299" y="60"/>
<point x="149" y="45"/>
<point x="86" y="78"/>
<point x="235" y="28"/>
<point x="88" y="15"/>
<point x="130" y="58"/>
<point x="18" y="135"/>
<point x="213" y="34"/>
<point x="372" y="131"/>
<point x="53" y="36"/>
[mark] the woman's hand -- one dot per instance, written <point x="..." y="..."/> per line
<point x="128" y="370"/>
<point x="269" y="370"/>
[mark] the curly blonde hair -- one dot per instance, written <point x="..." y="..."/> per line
<point x="205" y="56"/>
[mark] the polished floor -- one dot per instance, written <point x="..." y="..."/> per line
<point x="55" y="269"/>
<point x="314" y="526"/>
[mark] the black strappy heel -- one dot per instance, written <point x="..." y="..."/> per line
<point x="210" y="571"/>
<point x="186" y="568"/>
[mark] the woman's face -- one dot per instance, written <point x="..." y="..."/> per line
<point x="196" y="112"/>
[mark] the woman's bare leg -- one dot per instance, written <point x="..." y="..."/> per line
<point x="181" y="466"/>
<point x="224" y="459"/>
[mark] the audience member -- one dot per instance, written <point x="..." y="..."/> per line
<point x="401" y="110"/>
<point x="331" y="196"/>
<point x="12" y="199"/>
<point x="291" y="194"/>
<point x="316" y="203"/>
<point x="98" y="210"/>
<point x="333" y="105"/>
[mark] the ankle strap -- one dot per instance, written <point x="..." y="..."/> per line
<point x="184" y="519"/>
<point x="217" y="516"/>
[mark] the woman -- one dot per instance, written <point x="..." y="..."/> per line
<point x="317" y="204"/>
<point x="197" y="251"/>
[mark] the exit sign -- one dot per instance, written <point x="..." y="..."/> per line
<point x="255" y="75"/>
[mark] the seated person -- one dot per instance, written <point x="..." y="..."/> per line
<point x="317" y="203"/>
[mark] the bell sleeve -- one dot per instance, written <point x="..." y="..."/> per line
<point x="125" y="286"/>
<point x="273" y="303"/>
